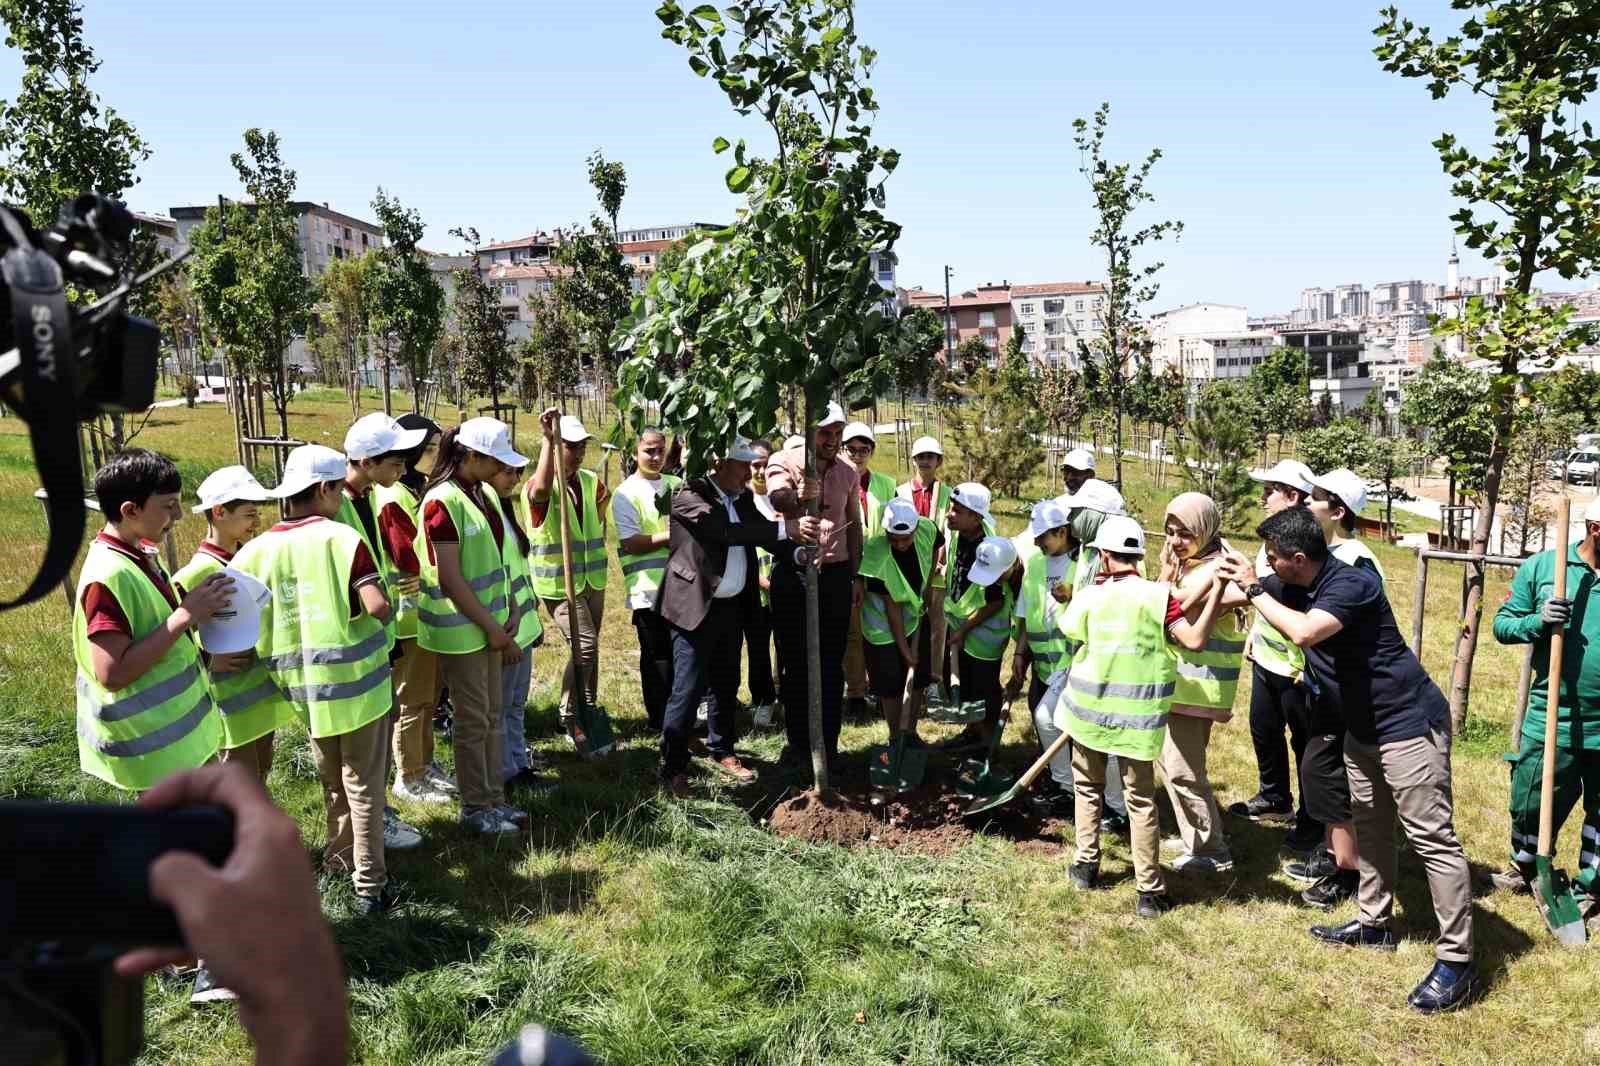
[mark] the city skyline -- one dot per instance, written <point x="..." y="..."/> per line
<point x="1293" y="159"/>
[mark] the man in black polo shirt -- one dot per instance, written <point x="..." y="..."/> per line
<point x="1396" y="745"/>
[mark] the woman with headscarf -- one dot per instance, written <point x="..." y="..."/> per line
<point x="1207" y="680"/>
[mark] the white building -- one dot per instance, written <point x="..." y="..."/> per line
<point x="1168" y="328"/>
<point x="1212" y="356"/>
<point x="1057" y="317"/>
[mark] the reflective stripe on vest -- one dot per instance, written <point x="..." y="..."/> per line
<point x="1119" y="693"/>
<point x="519" y="587"/>
<point x="441" y="625"/>
<point x="587" y="530"/>
<point x="404" y="607"/>
<point x="347" y="516"/>
<point x="877" y="561"/>
<point x="1046" y="643"/>
<point x="1210" y="677"/>
<point x="938" y="512"/>
<point x="162" y="722"/>
<point x="332" y="669"/>
<point x="642" y="572"/>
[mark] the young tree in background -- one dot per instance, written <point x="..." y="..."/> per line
<point x="486" y="362"/>
<point x="1220" y="441"/>
<point x="344" y="312"/>
<point x="596" y="289"/>
<point x="407" y="302"/>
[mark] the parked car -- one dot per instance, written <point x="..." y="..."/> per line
<point x="1556" y="465"/>
<point x="1582" y="468"/>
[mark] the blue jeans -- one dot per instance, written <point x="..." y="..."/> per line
<point x="702" y="659"/>
<point x="514" y="684"/>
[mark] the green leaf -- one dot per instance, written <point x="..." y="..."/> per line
<point x="739" y="179"/>
<point x="719" y="145"/>
<point x="699" y="66"/>
<point x="706" y="11"/>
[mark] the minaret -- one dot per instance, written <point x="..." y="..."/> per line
<point x="1452" y="271"/>
<point x="1454" y="346"/>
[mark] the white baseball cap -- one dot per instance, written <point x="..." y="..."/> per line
<point x="572" y="430"/>
<point x="741" y="450"/>
<point x="860" y="429"/>
<point x="974" y="497"/>
<point x="489" y="436"/>
<point x="1291" y="472"/>
<point x="1591" y="513"/>
<point x="900" y="516"/>
<point x="373" y="435"/>
<point x="1047" y="515"/>
<point x="1350" y="487"/>
<point x="1120" y="534"/>
<point x="227" y="485"/>
<point x="924" y="445"/>
<point x="795" y="441"/>
<point x="833" y="416"/>
<point x="991" y="561"/>
<point x="1095" y="495"/>
<point x="1079" y="459"/>
<point x="308" y="465"/>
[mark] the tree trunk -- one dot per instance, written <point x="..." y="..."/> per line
<point x="819" y="757"/>
<point x="388" y="398"/>
<point x="1472" y="609"/>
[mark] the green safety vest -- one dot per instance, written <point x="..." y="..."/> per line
<point x="1271" y="650"/>
<point x="588" y="533"/>
<point x="877" y="560"/>
<point x="1124" y="673"/>
<point x="641" y="573"/>
<point x="1210" y="678"/>
<point x="164" y="721"/>
<point x="880" y="490"/>
<point x="333" y="669"/>
<point x="1046" y="642"/>
<point x="1083" y="569"/>
<point x="250" y="702"/>
<point x="518" y="584"/>
<point x="380" y="552"/>
<point x="987" y="641"/>
<point x="441" y="627"/>
<point x="404" y="620"/>
<point x="764" y="568"/>
<point x="1352" y="550"/>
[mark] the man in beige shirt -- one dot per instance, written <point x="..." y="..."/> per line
<point x="839" y="554"/>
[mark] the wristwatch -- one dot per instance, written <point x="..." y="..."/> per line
<point x="1255" y="589"/>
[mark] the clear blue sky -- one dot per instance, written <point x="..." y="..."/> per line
<point x="1291" y="157"/>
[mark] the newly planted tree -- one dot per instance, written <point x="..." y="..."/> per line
<point x="1118" y="192"/>
<point x="1529" y="202"/>
<point x="1221" y="444"/>
<point x="406" y="300"/>
<point x="780" y="297"/>
<point x="487" y="364"/>
<point x="344" y="313"/>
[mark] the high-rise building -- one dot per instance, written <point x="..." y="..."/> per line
<point x="1352" y="301"/>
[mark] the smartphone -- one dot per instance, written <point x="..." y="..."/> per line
<point x="80" y="873"/>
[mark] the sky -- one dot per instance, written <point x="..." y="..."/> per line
<point x="1291" y="157"/>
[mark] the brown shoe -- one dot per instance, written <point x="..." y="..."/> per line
<point x="730" y="765"/>
<point x="677" y="785"/>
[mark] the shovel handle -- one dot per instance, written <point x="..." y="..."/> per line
<point x="1552" y="710"/>
<point x="1044" y="760"/>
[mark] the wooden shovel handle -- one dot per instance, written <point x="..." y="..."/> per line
<point x="1044" y="760"/>
<point x="1552" y="711"/>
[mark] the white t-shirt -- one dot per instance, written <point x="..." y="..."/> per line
<point x="626" y="517"/>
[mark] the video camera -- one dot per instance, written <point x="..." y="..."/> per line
<point x="71" y="362"/>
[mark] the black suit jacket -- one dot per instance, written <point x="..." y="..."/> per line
<point x="700" y="537"/>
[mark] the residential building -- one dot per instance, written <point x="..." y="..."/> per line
<point x="664" y="233"/>
<point x="984" y="312"/>
<point x="1059" y="319"/>
<point x="1389" y="297"/>
<point x="1316" y="305"/>
<point x="1168" y="328"/>
<point x="1213" y="356"/>
<point x="534" y="248"/>
<point x="164" y="229"/>
<point x="1351" y="301"/>
<point x="516" y="282"/>
<point x="1337" y="361"/>
<point x="322" y="233"/>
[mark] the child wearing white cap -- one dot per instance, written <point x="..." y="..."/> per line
<point x="896" y="565"/>
<point x="977" y="609"/>
<point x="584" y="497"/>
<point x="324" y="642"/>
<point x="876" y="490"/>
<point x="925" y="490"/>
<point x="251" y="705"/>
<point x="1040" y="649"/>
<point x="1337" y="497"/>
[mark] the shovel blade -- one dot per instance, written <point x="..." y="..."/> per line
<point x="1558" y="905"/>
<point x="883" y="764"/>
<point x="593" y="733"/>
<point x="993" y="802"/>
<point x="913" y="766"/>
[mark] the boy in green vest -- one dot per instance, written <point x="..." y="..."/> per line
<point x="252" y="708"/>
<point x="926" y="490"/>
<point x="1116" y="696"/>
<point x="375" y="449"/>
<point x="144" y="710"/>
<point x="977" y="609"/>
<point x="896" y="564"/>
<point x="876" y="490"/>
<point x="1040" y="647"/>
<point x="639" y="511"/>
<point x="324" y="641"/>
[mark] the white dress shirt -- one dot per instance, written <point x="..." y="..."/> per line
<point x="733" y="571"/>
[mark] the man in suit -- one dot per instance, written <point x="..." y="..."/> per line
<point x="709" y="584"/>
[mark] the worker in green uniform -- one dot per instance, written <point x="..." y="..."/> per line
<point x="1529" y="615"/>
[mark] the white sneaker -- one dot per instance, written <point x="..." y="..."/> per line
<point x="762" y="715"/>
<point x="439" y="779"/>
<point x="702" y="713"/>
<point x="422" y="790"/>
<point x="489" y="822"/>
<point x="397" y="835"/>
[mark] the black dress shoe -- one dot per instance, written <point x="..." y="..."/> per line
<point x="1258" y="807"/>
<point x="1448" y="985"/>
<point x="1353" y="934"/>
<point x="1152" y="905"/>
<point x="1114" y="822"/>
<point x="1332" y="890"/>
<point x="1083" y="876"/>
<point x="374" y="906"/>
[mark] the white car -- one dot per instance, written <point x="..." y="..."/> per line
<point x="1581" y="467"/>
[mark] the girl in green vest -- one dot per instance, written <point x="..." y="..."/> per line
<point x="1207" y="680"/>
<point x="465" y="614"/>
<point x="896" y="564"/>
<point x="516" y="768"/>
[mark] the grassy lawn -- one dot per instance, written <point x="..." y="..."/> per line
<point x="661" y="932"/>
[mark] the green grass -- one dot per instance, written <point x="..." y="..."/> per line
<point x="686" y="933"/>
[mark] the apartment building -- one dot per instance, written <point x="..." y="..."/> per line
<point x="1058" y="317"/>
<point x="1220" y="356"/>
<point x="323" y="234"/>
<point x="984" y="312"/>
<point x="1167" y="330"/>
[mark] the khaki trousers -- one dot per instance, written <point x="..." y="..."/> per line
<point x="1183" y="769"/>
<point x="1144" y="827"/>
<point x="255" y="756"/>
<point x="416" y="692"/>
<point x="591" y="607"/>
<point x="351" y="767"/>
<point x="855" y="660"/>
<point x="474" y="680"/>
<point x="1410" y="779"/>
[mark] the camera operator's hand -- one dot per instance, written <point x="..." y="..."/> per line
<point x="256" y="921"/>
<point x="210" y="596"/>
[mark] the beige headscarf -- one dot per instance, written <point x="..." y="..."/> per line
<point x="1197" y="513"/>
